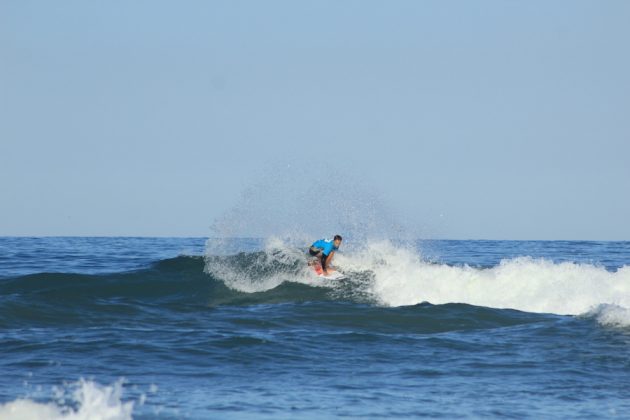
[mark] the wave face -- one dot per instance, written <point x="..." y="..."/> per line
<point x="177" y="284"/>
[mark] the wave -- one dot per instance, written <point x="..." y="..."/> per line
<point x="381" y="274"/>
<point x="192" y="284"/>
<point x="178" y="284"/>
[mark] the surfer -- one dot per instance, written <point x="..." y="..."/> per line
<point x="324" y="250"/>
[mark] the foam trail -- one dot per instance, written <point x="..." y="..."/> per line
<point x="401" y="277"/>
<point x="93" y="402"/>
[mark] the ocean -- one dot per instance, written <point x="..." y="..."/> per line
<point x="161" y="328"/>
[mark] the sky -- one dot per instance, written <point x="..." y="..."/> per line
<point x="466" y="120"/>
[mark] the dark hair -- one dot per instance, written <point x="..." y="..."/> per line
<point x="338" y="237"/>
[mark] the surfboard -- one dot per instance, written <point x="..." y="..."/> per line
<point x="332" y="275"/>
<point x="335" y="275"/>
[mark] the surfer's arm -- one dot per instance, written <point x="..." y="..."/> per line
<point x="326" y="262"/>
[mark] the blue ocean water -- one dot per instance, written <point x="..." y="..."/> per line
<point x="165" y="328"/>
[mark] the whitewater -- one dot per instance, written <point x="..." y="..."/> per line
<point x="399" y="275"/>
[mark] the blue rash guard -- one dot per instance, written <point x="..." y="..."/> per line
<point x="326" y="245"/>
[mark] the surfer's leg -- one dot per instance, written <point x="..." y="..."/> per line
<point x="323" y="261"/>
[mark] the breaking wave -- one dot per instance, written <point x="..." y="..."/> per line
<point x="380" y="274"/>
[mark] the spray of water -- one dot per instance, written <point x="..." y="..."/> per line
<point x="301" y="203"/>
<point x="292" y="205"/>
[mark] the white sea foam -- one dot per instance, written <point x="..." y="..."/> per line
<point x="611" y="315"/>
<point x="402" y="277"/>
<point x="90" y="401"/>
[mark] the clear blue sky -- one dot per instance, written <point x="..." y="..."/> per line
<point x="469" y="119"/>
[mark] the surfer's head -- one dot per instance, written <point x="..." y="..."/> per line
<point x="337" y="240"/>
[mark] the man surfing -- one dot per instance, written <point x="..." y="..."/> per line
<point x="324" y="250"/>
